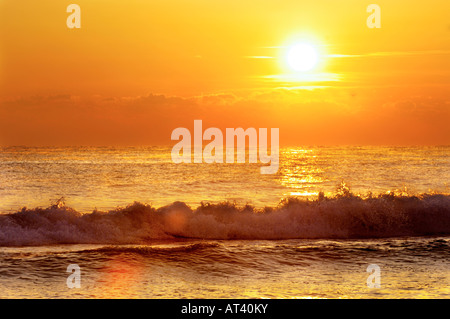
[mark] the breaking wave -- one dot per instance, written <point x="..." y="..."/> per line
<point x="341" y="217"/>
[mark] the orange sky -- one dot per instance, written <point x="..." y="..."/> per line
<point x="136" y="70"/>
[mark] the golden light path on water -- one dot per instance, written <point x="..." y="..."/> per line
<point x="298" y="175"/>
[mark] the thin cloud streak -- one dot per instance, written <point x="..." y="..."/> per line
<point x="387" y="53"/>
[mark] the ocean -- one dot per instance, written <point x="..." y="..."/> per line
<point x="139" y="226"/>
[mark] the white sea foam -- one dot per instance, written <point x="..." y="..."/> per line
<point x="338" y="217"/>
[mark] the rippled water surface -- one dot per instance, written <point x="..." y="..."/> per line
<point x="410" y="268"/>
<point x="317" y="244"/>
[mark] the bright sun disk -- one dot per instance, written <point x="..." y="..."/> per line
<point x="302" y="57"/>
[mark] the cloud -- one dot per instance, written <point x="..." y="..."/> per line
<point x="319" y="116"/>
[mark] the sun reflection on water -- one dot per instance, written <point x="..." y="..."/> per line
<point x="300" y="172"/>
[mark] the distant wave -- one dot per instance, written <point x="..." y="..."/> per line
<point x="343" y="216"/>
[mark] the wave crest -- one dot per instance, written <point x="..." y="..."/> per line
<point x="343" y="216"/>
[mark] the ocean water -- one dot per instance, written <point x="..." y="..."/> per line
<point x="139" y="226"/>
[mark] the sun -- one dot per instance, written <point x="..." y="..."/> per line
<point x="302" y="57"/>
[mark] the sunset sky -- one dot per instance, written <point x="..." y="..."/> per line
<point x="136" y="70"/>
